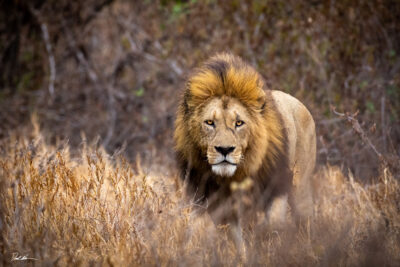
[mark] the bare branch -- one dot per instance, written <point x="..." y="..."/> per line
<point x="49" y="49"/>
<point x="99" y="84"/>
<point x="383" y="123"/>
<point x="351" y="118"/>
<point x="128" y="26"/>
<point x="52" y="61"/>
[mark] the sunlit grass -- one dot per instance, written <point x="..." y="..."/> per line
<point x="94" y="208"/>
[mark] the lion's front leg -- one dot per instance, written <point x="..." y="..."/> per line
<point x="236" y="234"/>
<point x="301" y="197"/>
<point x="277" y="212"/>
<point x="232" y="210"/>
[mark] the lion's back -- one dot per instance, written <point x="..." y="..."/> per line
<point x="300" y="129"/>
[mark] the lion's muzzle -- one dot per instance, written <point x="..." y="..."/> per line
<point x="223" y="164"/>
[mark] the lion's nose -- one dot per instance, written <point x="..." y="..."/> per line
<point x="224" y="150"/>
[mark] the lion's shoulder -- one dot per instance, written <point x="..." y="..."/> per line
<point x="300" y="131"/>
<point x="290" y="106"/>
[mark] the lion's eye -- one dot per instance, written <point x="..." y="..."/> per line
<point x="209" y="122"/>
<point x="239" y="123"/>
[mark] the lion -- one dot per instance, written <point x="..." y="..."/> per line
<point x="230" y="130"/>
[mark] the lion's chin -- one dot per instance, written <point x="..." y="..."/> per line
<point x="224" y="169"/>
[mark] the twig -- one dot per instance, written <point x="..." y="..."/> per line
<point x="46" y="39"/>
<point x="128" y="26"/>
<point x="383" y="122"/>
<point x="243" y="26"/>
<point x="112" y="116"/>
<point x="81" y="58"/>
<point x="357" y="128"/>
<point x="256" y="31"/>
<point x="52" y="61"/>
<point x="97" y="9"/>
<point x="98" y="82"/>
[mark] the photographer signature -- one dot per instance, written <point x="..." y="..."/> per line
<point x="16" y="257"/>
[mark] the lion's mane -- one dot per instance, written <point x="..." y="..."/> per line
<point x="265" y="158"/>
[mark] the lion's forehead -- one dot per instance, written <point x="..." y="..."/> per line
<point x="225" y="108"/>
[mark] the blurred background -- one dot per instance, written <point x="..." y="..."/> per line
<point x="112" y="71"/>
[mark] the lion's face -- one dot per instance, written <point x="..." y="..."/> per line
<point x="225" y="131"/>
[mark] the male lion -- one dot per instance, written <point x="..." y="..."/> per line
<point x="231" y="130"/>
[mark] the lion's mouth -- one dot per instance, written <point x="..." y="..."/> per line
<point x="224" y="168"/>
<point x="224" y="162"/>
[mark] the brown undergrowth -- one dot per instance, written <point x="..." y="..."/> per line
<point x="93" y="208"/>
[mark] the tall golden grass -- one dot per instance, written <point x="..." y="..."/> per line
<point x="95" y="209"/>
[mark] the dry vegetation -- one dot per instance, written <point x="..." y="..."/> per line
<point x="92" y="178"/>
<point x="97" y="208"/>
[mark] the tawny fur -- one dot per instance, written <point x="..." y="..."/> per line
<point x="275" y="148"/>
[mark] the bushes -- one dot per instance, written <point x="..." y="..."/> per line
<point x="124" y="63"/>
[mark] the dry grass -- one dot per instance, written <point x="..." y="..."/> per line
<point x="94" y="208"/>
<point x="116" y="69"/>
